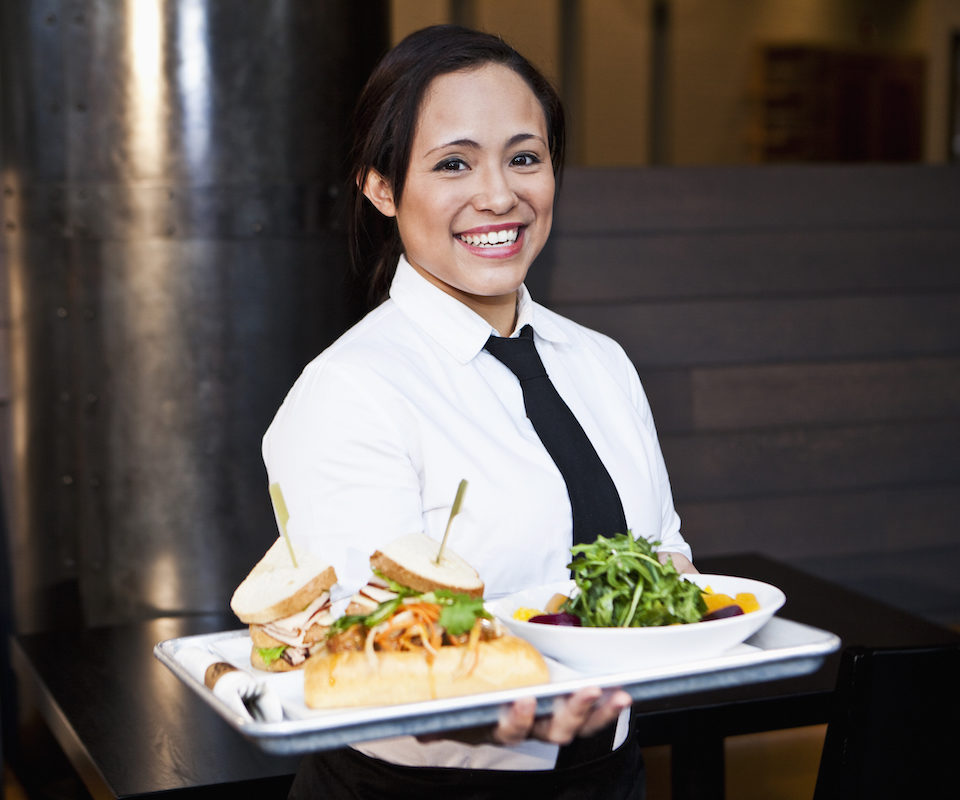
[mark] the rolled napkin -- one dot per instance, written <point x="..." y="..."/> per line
<point x="242" y="693"/>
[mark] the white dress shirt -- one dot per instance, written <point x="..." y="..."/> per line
<point x="376" y="434"/>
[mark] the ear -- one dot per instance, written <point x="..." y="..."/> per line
<point x="377" y="190"/>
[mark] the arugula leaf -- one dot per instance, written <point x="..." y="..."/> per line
<point x="623" y="584"/>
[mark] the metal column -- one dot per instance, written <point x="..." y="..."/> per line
<point x="170" y="175"/>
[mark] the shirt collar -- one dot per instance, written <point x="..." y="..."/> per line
<point x="454" y="326"/>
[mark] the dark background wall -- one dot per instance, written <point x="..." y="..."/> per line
<point x="798" y="333"/>
<point x="795" y="327"/>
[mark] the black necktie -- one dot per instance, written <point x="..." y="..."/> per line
<point x="594" y="499"/>
<point x="596" y="505"/>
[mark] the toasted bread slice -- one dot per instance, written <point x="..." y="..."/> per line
<point x="411" y="561"/>
<point x="275" y="588"/>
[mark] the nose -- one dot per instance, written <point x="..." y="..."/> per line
<point x="495" y="192"/>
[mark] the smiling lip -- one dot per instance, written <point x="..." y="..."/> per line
<point x="499" y="238"/>
<point x="501" y="226"/>
<point x="492" y="249"/>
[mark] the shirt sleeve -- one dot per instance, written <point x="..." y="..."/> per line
<point x="338" y="449"/>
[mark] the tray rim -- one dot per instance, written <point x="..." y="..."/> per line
<point x="807" y="649"/>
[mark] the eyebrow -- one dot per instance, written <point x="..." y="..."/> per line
<point x="517" y="138"/>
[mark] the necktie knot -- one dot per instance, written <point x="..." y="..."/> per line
<point x="518" y="354"/>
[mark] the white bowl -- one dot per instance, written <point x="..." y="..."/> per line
<point x="606" y="650"/>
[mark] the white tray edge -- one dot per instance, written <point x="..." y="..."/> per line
<point x="781" y="649"/>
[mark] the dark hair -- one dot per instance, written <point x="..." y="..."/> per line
<point x="385" y="121"/>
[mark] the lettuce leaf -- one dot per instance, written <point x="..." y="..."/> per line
<point x="271" y="654"/>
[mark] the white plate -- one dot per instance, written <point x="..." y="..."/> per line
<point x="613" y="649"/>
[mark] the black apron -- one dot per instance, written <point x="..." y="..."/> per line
<point x="349" y="775"/>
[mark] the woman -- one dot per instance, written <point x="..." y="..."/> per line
<point x="459" y="144"/>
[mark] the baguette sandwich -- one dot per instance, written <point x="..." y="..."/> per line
<point x="417" y="631"/>
<point x="287" y="608"/>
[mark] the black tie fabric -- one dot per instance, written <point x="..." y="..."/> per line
<point x="597" y="510"/>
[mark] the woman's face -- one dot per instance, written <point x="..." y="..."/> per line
<point x="477" y="204"/>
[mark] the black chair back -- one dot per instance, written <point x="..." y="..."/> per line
<point x="895" y="728"/>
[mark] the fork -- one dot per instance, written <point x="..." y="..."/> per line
<point x="251" y="695"/>
<point x="241" y="691"/>
<point x="260" y="702"/>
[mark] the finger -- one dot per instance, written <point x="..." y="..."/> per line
<point x="583" y="713"/>
<point x="516" y="721"/>
<point x="568" y="717"/>
<point x="680" y="561"/>
<point x="606" y="711"/>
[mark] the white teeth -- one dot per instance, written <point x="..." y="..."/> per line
<point x="491" y="238"/>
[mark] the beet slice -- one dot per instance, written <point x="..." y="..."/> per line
<point x="564" y="619"/>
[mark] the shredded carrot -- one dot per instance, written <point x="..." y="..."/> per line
<point x="472" y="651"/>
<point x="413" y="627"/>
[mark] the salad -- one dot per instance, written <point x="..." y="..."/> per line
<point x="620" y="583"/>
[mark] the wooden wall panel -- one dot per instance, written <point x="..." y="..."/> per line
<point x="776" y="329"/>
<point x="803" y="393"/>
<point x="655" y="265"/>
<point x="794" y="526"/>
<point x="797" y="198"/>
<point x="805" y="459"/>
<point x="797" y="330"/>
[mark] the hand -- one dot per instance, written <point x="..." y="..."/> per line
<point x="582" y="713"/>
<point x="680" y="561"/>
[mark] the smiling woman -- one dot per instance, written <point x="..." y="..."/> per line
<point x="478" y="201"/>
<point x="458" y="145"/>
<point x="391" y="122"/>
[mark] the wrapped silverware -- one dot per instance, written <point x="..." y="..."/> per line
<point x="244" y="694"/>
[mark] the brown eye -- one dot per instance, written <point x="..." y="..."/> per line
<point x="524" y="160"/>
<point x="450" y="165"/>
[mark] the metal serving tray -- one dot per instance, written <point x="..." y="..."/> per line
<point x="781" y="649"/>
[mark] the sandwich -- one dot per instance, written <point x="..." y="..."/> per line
<point x="410" y="562"/>
<point x="417" y="631"/>
<point x="287" y="608"/>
